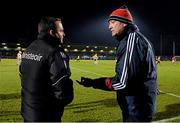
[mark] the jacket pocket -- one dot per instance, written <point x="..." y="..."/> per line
<point x="63" y="91"/>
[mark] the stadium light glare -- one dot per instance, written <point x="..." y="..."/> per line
<point x="92" y="50"/>
<point x="18" y="44"/>
<point x="95" y="47"/>
<point x="101" y="51"/>
<point x="87" y="46"/>
<point x="84" y="50"/>
<point x="66" y="49"/>
<point x="111" y="51"/>
<point x="18" y="48"/>
<point x="3" y="43"/>
<point x="5" y="47"/>
<point x="68" y="45"/>
<point x="75" y="50"/>
<point x="23" y="49"/>
<point x="106" y="47"/>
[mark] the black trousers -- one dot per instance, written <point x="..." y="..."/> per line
<point x="43" y="115"/>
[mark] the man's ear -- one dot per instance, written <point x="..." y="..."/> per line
<point x="124" y="24"/>
<point x="51" y="32"/>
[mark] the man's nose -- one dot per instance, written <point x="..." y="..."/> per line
<point x="63" y="34"/>
<point x="110" y="27"/>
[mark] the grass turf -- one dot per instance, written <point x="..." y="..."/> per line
<point x="90" y="104"/>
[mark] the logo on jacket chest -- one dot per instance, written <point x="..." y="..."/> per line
<point x="32" y="56"/>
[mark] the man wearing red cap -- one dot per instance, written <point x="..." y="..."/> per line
<point x="135" y="81"/>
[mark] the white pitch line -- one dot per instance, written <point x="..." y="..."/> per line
<point x="171" y="94"/>
<point x="169" y="119"/>
<point x="87" y="71"/>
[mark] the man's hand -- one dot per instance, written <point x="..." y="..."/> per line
<point x="86" y="82"/>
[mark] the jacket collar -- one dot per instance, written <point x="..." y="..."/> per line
<point x="129" y="29"/>
<point x="49" y="39"/>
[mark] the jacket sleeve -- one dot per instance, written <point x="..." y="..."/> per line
<point x="103" y="83"/>
<point x="119" y="81"/>
<point x="62" y="85"/>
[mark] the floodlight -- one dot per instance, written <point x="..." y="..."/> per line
<point x="66" y="49"/>
<point x="92" y="50"/>
<point x="5" y="47"/>
<point x="75" y="50"/>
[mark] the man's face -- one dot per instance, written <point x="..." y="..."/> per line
<point x="59" y="33"/>
<point x="116" y="27"/>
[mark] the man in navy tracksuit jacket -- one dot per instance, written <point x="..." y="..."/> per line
<point x="135" y="81"/>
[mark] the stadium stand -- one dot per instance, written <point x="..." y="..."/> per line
<point x="10" y="50"/>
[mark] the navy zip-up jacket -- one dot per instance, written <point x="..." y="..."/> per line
<point x="136" y="76"/>
<point x="135" y="66"/>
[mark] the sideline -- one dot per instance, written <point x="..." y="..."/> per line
<point x="168" y="119"/>
<point x="171" y="94"/>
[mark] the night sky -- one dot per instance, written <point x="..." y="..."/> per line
<point x="85" y="22"/>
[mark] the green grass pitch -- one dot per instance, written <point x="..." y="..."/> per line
<point x="91" y="104"/>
